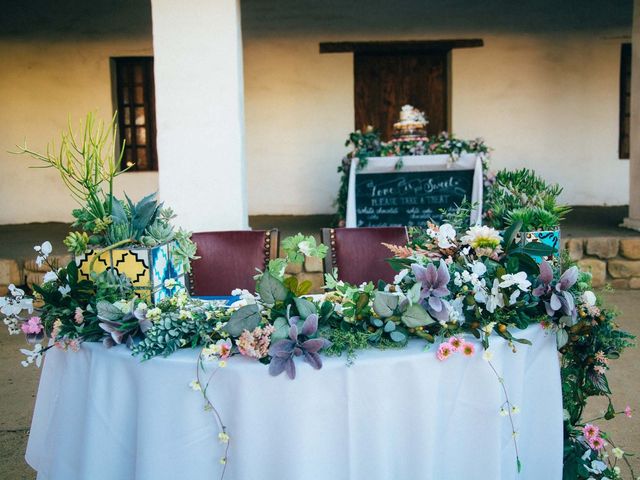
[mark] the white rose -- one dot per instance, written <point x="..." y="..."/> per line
<point x="589" y="298"/>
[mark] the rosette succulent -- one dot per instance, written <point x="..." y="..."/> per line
<point x="556" y="296"/>
<point x="298" y="344"/>
<point x="433" y="287"/>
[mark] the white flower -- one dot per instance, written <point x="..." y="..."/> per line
<point x="503" y="412"/>
<point x="513" y="298"/>
<point x="185" y="315"/>
<point x="515" y="410"/>
<point x="482" y="236"/>
<point x="50" y="277"/>
<point x="33" y="356"/>
<point x="223" y="437"/>
<point x="589" y="298"/>
<point x="195" y="386"/>
<point x="519" y="279"/>
<point x="487" y="355"/>
<point x="304" y="248"/>
<point x="65" y="289"/>
<point x="617" y="452"/>
<point x="456" y="313"/>
<point x="44" y="250"/>
<point x="597" y="466"/>
<point x="478" y="268"/>
<point x="444" y="235"/>
<point x="142" y="306"/>
<point x="400" y="275"/>
<point x="488" y="328"/>
<point x="496" y="299"/>
<point x="170" y="283"/>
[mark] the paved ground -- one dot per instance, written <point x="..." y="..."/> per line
<point x="18" y="386"/>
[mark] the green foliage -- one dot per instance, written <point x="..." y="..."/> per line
<point x="245" y="318"/>
<point x="522" y="196"/>
<point x="88" y="163"/>
<point x="184" y="250"/>
<point x="298" y="246"/>
<point x="76" y="242"/>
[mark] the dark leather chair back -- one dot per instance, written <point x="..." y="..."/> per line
<point x="228" y="260"/>
<point x="358" y="253"/>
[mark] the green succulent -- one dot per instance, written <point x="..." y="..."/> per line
<point x="76" y="242"/>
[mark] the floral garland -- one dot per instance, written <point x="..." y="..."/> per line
<point x="368" y="144"/>
<point x="448" y="286"/>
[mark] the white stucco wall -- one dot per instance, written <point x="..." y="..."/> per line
<point x="44" y="82"/>
<point x="543" y="92"/>
<point x="547" y="102"/>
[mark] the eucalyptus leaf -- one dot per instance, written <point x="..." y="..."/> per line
<point x="305" y="307"/>
<point x="414" y="292"/>
<point x="376" y="322"/>
<point x="271" y="289"/>
<point x="108" y="311"/>
<point x="245" y="318"/>
<point x="416" y="316"/>
<point x="385" y="303"/>
<point x="281" y="329"/>
<point x="562" y="337"/>
<point x="390" y="326"/>
<point x="398" y="336"/>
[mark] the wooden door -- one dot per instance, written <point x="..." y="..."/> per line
<point x="384" y="82"/>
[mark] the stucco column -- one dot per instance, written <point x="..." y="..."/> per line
<point x="197" y="48"/>
<point x="633" y="220"/>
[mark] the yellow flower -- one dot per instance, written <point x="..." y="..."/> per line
<point x="223" y="437"/>
<point x="222" y="364"/>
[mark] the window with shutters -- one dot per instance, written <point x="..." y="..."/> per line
<point x="135" y="99"/>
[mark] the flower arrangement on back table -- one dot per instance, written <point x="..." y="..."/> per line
<point x="369" y="144"/>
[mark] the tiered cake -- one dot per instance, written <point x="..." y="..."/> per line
<point x="412" y="125"/>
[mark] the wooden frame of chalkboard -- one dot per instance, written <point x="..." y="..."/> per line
<point x="380" y="195"/>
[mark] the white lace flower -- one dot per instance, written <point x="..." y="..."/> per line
<point x="304" y="247"/>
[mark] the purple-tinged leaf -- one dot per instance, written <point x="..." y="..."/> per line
<point x="310" y="325"/>
<point x="282" y="348"/>
<point x="297" y="351"/>
<point x="314" y="345"/>
<point x="555" y="302"/>
<point x="277" y="366"/>
<point x="313" y="359"/>
<point x="569" y="278"/>
<point x="436" y="304"/>
<point x="290" y="368"/>
<point x="546" y="273"/>
<point x="293" y="332"/>
<point x="443" y="277"/>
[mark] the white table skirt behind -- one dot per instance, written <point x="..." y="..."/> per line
<point x="397" y="414"/>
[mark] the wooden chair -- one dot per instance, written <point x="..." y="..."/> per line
<point x="358" y="253"/>
<point x="228" y="260"/>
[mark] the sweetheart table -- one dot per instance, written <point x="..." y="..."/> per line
<point x="397" y="414"/>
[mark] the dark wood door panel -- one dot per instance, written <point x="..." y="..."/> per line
<point x="386" y="82"/>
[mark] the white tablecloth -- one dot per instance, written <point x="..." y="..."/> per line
<point x="393" y="415"/>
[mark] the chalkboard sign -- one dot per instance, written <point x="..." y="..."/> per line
<point x="409" y="198"/>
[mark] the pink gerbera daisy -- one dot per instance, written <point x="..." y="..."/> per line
<point x="456" y="343"/>
<point x="468" y="349"/>
<point x="444" y="351"/>
<point x="590" y="431"/>
<point x="627" y="411"/>
<point x="596" y="443"/>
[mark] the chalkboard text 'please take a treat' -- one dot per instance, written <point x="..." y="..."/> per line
<point x="409" y="198"/>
